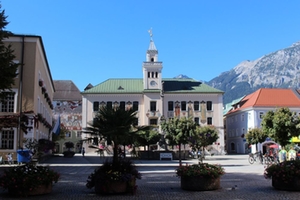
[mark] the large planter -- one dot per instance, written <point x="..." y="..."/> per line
<point x="292" y="185"/>
<point x="69" y="154"/>
<point x="115" y="187"/>
<point x="195" y="183"/>
<point x="42" y="189"/>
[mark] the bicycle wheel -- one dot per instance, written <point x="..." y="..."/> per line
<point x="251" y="160"/>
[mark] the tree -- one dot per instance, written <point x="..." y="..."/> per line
<point x="116" y="125"/>
<point x="8" y="67"/>
<point x="179" y="131"/>
<point x="147" y="137"/>
<point x="255" y="136"/>
<point x="281" y="125"/>
<point x="205" y="135"/>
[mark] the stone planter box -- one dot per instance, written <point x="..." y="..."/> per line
<point x="199" y="183"/>
<point x="293" y="185"/>
<point x="43" y="189"/>
<point x="115" y="187"/>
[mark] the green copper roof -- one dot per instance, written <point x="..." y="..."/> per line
<point x="115" y="86"/>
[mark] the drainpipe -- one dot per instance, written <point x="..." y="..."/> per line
<point x="19" y="131"/>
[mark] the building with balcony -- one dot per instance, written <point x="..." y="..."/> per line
<point x="154" y="97"/>
<point x="30" y="101"/>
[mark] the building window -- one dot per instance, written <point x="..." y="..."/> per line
<point x="196" y="119"/>
<point x="109" y="104"/>
<point x="196" y="105"/>
<point x="261" y="114"/>
<point x="68" y="134"/>
<point x="153" y="106"/>
<point x="78" y="134"/>
<point x="8" y="104"/>
<point x="149" y="74"/>
<point x="156" y="74"/>
<point x="96" y="106"/>
<point x="209" y="120"/>
<point x="153" y="121"/>
<point x="232" y="146"/>
<point x="243" y="117"/>
<point x="135" y="106"/>
<point x="122" y="105"/>
<point x="183" y="105"/>
<point x="7" y="139"/>
<point x="170" y="106"/>
<point x="208" y="105"/>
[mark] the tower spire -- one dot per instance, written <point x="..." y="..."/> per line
<point x="150" y="33"/>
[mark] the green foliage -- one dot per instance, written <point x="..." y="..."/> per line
<point x="121" y="171"/>
<point x="25" y="178"/>
<point x="178" y="131"/>
<point x="281" y="125"/>
<point x="115" y="125"/>
<point x="201" y="170"/>
<point x="284" y="171"/>
<point x="8" y="68"/>
<point x="255" y="136"/>
<point x="147" y="137"/>
<point x="205" y="135"/>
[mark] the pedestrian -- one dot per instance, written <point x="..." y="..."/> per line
<point x="9" y="158"/>
<point x="282" y="155"/>
<point x="83" y="151"/>
<point x="292" y="154"/>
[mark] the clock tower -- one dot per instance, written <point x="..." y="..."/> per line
<point x="152" y="68"/>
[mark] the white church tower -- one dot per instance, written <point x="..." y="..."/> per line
<point x="152" y="68"/>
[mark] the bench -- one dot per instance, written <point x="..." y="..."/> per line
<point x="166" y="155"/>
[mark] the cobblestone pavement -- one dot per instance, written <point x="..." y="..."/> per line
<point x="241" y="181"/>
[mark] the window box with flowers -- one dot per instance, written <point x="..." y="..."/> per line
<point x="200" y="177"/>
<point x="114" y="178"/>
<point x="41" y="83"/>
<point x="284" y="175"/>
<point x="28" y="180"/>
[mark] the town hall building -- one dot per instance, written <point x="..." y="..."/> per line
<point x="155" y="98"/>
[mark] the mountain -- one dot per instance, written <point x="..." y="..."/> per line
<point x="279" y="69"/>
<point x="181" y="76"/>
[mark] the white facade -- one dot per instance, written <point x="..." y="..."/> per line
<point x="157" y="97"/>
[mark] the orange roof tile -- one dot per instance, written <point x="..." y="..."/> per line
<point x="270" y="97"/>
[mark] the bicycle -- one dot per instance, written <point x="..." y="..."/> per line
<point x="253" y="157"/>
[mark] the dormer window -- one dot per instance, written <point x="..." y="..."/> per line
<point x="120" y="88"/>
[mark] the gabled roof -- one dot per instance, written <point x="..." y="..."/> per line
<point x="269" y="97"/>
<point x="119" y="86"/>
<point x="66" y="90"/>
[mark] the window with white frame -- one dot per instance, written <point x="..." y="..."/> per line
<point x="96" y="106"/>
<point x="209" y="105"/>
<point x="183" y="105"/>
<point x="153" y="106"/>
<point x="209" y="120"/>
<point x="6" y="139"/>
<point x="196" y="106"/>
<point x="135" y="106"/>
<point x="170" y="105"/>
<point x="7" y="105"/>
<point x="261" y="114"/>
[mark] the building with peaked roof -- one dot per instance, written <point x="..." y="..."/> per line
<point x="154" y="97"/>
<point x="247" y="113"/>
<point x="30" y="99"/>
<point x="67" y="106"/>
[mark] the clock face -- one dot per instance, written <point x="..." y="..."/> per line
<point x="153" y="83"/>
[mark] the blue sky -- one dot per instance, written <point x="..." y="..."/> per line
<point x="90" y="41"/>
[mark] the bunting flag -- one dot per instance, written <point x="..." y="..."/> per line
<point x="56" y="128"/>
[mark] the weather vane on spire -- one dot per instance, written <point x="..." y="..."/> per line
<point x="150" y="32"/>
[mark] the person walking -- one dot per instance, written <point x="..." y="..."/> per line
<point x="282" y="155"/>
<point x="292" y="154"/>
<point x="83" y="151"/>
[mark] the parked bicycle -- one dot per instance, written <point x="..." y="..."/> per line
<point x="254" y="157"/>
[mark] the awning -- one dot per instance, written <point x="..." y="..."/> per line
<point x="295" y="139"/>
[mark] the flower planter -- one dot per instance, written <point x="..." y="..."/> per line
<point x="196" y="183"/>
<point x="292" y="185"/>
<point x="42" y="189"/>
<point x="115" y="187"/>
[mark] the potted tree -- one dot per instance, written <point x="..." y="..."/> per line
<point x="281" y="125"/>
<point x="115" y="125"/>
<point x="69" y="153"/>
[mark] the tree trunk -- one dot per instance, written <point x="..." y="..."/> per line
<point x="179" y="156"/>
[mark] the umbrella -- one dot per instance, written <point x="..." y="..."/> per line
<point x="275" y="146"/>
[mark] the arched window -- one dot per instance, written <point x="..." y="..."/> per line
<point x="232" y="146"/>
